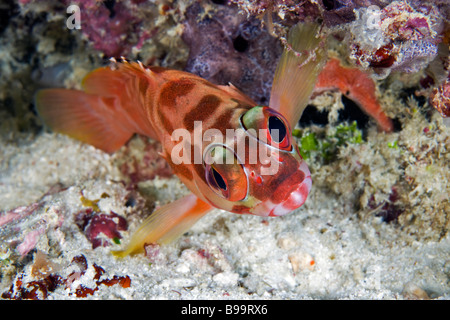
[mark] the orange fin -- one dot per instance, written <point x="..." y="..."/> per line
<point x="167" y="223"/>
<point x="358" y="86"/>
<point x="237" y="94"/>
<point x="109" y="110"/>
<point x="297" y="71"/>
<point x="86" y="117"/>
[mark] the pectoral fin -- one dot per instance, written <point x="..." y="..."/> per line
<point x="166" y="224"/>
<point x="86" y="117"/>
<point x="110" y="109"/>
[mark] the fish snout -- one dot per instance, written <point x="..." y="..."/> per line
<point x="295" y="199"/>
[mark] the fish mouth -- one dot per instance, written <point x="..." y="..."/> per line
<point x="295" y="199"/>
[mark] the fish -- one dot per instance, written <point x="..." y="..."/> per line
<point x="230" y="152"/>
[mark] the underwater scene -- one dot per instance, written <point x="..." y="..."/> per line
<point x="224" y="149"/>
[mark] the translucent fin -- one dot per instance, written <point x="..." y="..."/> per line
<point x="103" y="81"/>
<point x="133" y="85"/>
<point x="358" y="86"/>
<point x="109" y="110"/>
<point x="86" y="117"/>
<point x="166" y="224"/>
<point x="297" y="71"/>
<point x="237" y="94"/>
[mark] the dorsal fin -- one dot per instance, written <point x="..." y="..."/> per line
<point x="237" y="94"/>
<point x="297" y="70"/>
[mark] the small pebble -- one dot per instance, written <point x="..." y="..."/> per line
<point x="301" y="261"/>
<point x="414" y="292"/>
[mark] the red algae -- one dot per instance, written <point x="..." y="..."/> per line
<point x="40" y="289"/>
<point x="33" y="290"/>
<point x="148" y="165"/>
<point x="123" y="281"/>
<point x="389" y="210"/>
<point x="94" y="224"/>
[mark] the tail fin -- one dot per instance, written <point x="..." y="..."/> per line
<point x="107" y="113"/>
<point x="297" y="71"/>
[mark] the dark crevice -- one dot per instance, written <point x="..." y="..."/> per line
<point x="240" y="44"/>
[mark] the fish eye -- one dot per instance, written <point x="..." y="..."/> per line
<point x="217" y="182"/>
<point x="277" y="129"/>
<point x="268" y="126"/>
<point x="227" y="179"/>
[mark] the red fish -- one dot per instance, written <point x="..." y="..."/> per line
<point x="256" y="170"/>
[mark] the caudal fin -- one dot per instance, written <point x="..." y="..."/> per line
<point x="297" y="70"/>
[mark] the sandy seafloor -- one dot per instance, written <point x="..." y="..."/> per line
<point x="249" y="257"/>
<point x="327" y="249"/>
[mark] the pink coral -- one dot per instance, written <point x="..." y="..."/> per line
<point x="30" y="241"/>
<point x="115" y="29"/>
<point x="14" y="220"/>
<point x="18" y="213"/>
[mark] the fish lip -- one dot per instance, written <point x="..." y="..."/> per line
<point x="295" y="200"/>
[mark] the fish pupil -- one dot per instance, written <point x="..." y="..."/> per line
<point x="219" y="180"/>
<point x="276" y="124"/>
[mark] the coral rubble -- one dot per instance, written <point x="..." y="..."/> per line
<point x="440" y="99"/>
<point x="41" y="287"/>
<point x="397" y="37"/>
